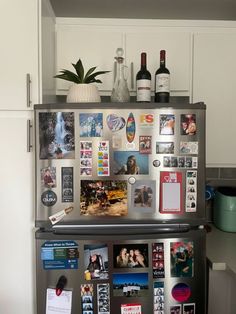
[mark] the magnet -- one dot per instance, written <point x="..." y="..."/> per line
<point x="145" y="144"/>
<point x="181" y="292"/>
<point x="130" y="128"/>
<point x="91" y="124"/>
<point x="131" y="180"/>
<point x="115" y="123"/>
<point x="156" y="163"/>
<point x="188" y="124"/>
<point x="124" y="284"/>
<point x="146" y="120"/>
<point x="167" y="124"/>
<point x="49" y="198"/>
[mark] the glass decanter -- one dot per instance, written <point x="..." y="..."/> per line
<point x="120" y="91"/>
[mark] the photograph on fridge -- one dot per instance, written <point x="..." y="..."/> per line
<point x="96" y="261"/>
<point x="91" y="124"/>
<point x="188" y="124"/>
<point x="182" y="259"/>
<point x="175" y="309"/>
<point x="165" y="147"/>
<point x="130" y="162"/>
<point x="167" y="124"/>
<point x="48" y="177"/>
<point x="130" y="284"/>
<point x="189" y="308"/>
<point x="144" y="196"/>
<point x="103" y="197"/>
<point x="133" y="255"/>
<point x="56" y="135"/>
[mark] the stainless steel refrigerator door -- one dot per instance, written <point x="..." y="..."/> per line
<point x="178" y="288"/>
<point x="52" y="200"/>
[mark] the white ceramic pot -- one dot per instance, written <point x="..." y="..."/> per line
<point x="83" y="93"/>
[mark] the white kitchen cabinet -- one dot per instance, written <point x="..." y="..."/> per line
<point x="95" y="45"/>
<point x="178" y="56"/>
<point x="214" y="69"/>
<point x="18" y="54"/>
<point x="17" y="222"/>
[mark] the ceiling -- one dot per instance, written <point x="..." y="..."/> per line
<point x="147" y="9"/>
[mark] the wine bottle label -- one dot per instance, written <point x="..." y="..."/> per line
<point x="162" y="83"/>
<point x="143" y="90"/>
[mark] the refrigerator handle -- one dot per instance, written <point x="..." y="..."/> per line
<point x="118" y="229"/>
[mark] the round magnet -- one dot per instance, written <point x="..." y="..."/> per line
<point x="131" y="180"/>
<point x="49" y="198"/>
<point x="156" y="163"/>
<point x="181" y="292"/>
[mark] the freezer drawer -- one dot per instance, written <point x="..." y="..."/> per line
<point x="144" y="273"/>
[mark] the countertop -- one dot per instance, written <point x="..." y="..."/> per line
<point x="221" y="250"/>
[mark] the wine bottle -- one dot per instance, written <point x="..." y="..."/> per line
<point x="162" y="80"/>
<point x="143" y="81"/>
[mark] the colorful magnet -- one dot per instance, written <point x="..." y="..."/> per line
<point x="145" y="144"/>
<point x="158" y="264"/>
<point x="131" y="308"/>
<point x="130" y="128"/>
<point x="146" y="120"/>
<point x="49" y="198"/>
<point x="181" y="258"/>
<point x="181" y="292"/>
<point x="115" y="123"/>
<point x="103" y="159"/>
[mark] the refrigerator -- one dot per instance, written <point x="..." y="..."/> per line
<point x="120" y="208"/>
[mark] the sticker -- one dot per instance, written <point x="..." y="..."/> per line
<point x="91" y="124"/>
<point x="103" y="298"/>
<point x="132" y="308"/>
<point x="130" y="255"/>
<point x="60" y="255"/>
<point x="132" y="180"/>
<point x="96" y="261"/>
<point x="56" y="135"/>
<point x="189" y="308"/>
<point x="167" y="124"/>
<point x="170" y="184"/>
<point x="144" y="196"/>
<point x="115" y="123"/>
<point x="58" y="304"/>
<point x="146" y="120"/>
<point x="182" y="259"/>
<point x="156" y="163"/>
<point x="103" y="198"/>
<point x="130" y="284"/>
<point x="86" y="158"/>
<point x="130" y="128"/>
<point x="49" y="198"/>
<point x="116" y="142"/>
<point x="159" y="298"/>
<point x="145" y="144"/>
<point x="188" y="124"/>
<point x="189" y="147"/>
<point x="67" y="190"/>
<point x="191" y="191"/>
<point x="181" y="292"/>
<point x="158" y="264"/>
<point x="103" y="159"/>
<point x="130" y="163"/>
<point x="175" y="309"/>
<point x="60" y="215"/>
<point x="48" y="177"/>
<point x="165" y="147"/>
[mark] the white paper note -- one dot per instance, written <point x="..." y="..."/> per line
<point x="58" y="304"/>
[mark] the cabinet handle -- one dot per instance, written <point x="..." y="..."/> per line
<point x="29" y="138"/>
<point x="28" y="90"/>
<point x="132" y="74"/>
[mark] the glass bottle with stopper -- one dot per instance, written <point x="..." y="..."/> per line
<point x="120" y="91"/>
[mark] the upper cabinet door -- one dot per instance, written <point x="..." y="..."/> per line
<point x="214" y="69"/>
<point x="94" y="45"/>
<point x="178" y="56"/>
<point x="19" y="54"/>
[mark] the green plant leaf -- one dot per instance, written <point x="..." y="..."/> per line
<point x="79" y="68"/>
<point x="68" y="76"/>
<point x="90" y="71"/>
<point x="90" y="78"/>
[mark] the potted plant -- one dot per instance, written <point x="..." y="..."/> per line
<point x="82" y="90"/>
